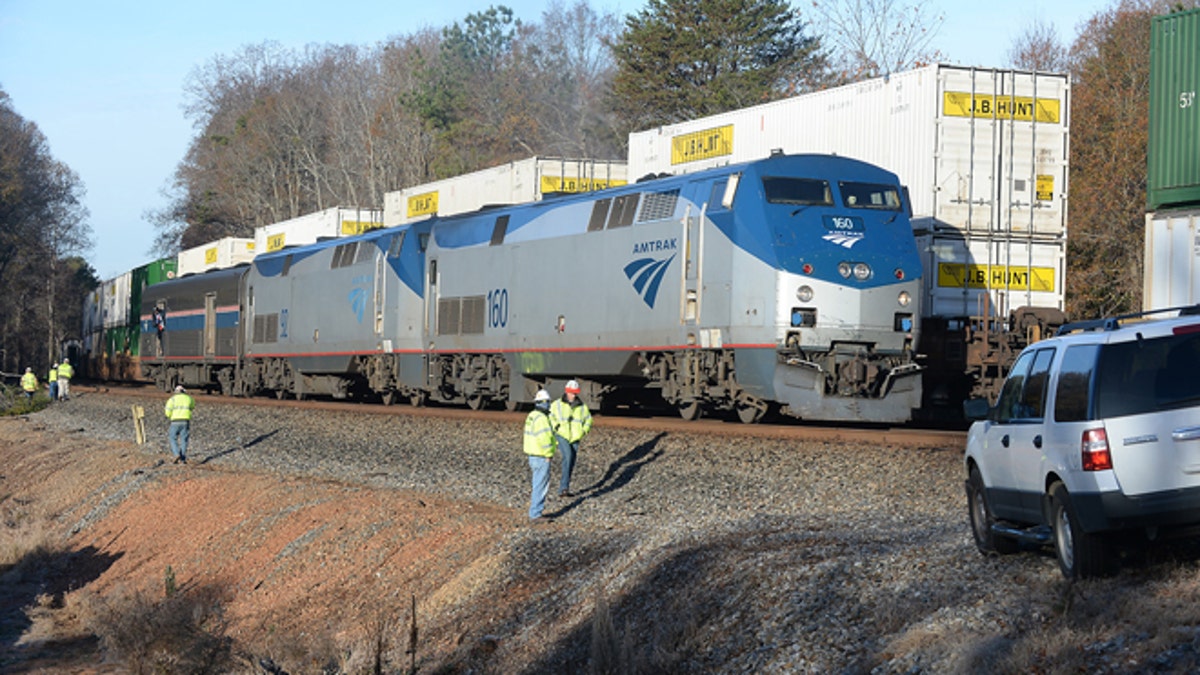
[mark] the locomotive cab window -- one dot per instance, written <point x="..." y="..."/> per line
<point x="798" y="191"/>
<point x="880" y="196"/>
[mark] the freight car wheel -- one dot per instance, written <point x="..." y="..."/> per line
<point x="689" y="410"/>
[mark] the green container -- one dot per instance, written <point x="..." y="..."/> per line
<point x="1173" y="156"/>
<point x="146" y="275"/>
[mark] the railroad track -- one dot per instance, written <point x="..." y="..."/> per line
<point x="662" y="421"/>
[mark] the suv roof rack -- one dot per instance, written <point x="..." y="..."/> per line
<point x="1114" y="322"/>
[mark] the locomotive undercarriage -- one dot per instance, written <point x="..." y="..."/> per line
<point x="849" y="369"/>
<point x="475" y="379"/>
<point x="698" y="381"/>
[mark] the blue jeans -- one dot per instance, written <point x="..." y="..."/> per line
<point x="177" y="434"/>
<point x="568" y="450"/>
<point x="541" y="484"/>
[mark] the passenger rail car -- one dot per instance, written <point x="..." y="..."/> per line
<point x="788" y="283"/>
<point x="199" y="343"/>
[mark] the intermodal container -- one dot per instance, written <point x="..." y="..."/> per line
<point x="313" y="227"/>
<point x="981" y="150"/>
<point x="517" y="182"/>
<point x="220" y="254"/>
<point x="1173" y="154"/>
<point x="1172" y="259"/>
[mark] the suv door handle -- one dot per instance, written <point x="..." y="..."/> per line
<point x="1037" y="441"/>
<point x="1004" y="440"/>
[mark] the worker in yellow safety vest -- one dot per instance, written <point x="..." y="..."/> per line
<point x="539" y="446"/>
<point x="29" y="383"/>
<point x="179" y="410"/>
<point x="52" y="381"/>
<point x="572" y="421"/>
<point x="65" y="372"/>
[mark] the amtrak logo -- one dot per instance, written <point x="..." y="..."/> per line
<point x="845" y="231"/>
<point x="358" y="302"/>
<point x="843" y="239"/>
<point x="647" y="274"/>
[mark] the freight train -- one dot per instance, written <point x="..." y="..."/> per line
<point x="786" y="284"/>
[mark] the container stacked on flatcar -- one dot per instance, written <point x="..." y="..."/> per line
<point x="519" y="182"/>
<point x="112" y="325"/>
<point x="318" y="226"/>
<point x="983" y="153"/>
<point x="1172" y="253"/>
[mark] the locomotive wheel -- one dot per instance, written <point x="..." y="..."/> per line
<point x="749" y="414"/>
<point x="689" y="410"/>
<point x="389" y="397"/>
<point x="476" y="402"/>
<point x="280" y="394"/>
<point x="417" y="400"/>
<point x="512" y="406"/>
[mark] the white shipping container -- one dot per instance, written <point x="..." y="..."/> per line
<point x="1013" y="272"/>
<point x="219" y="254"/>
<point x="518" y="182"/>
<point x="114" y="300"/>
<point x="309" y="228"/>
<point x="1172" y="254"/>
<point x="981" y="150"/>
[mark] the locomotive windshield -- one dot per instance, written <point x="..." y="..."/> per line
<point x="799" y="191"/>
<point x="870" y="195"/>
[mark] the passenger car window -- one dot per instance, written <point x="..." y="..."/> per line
<point x="1033" y="396"/>
<point x="1010" y="395"/>
<point x="1074" y="383"/>
<point x="1143" y="376"/>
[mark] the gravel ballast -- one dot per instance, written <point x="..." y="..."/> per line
<point x="720" y="553"/>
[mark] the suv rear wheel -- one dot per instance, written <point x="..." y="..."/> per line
<point x="982" y="520"/>
<point x="1080" y="555"/>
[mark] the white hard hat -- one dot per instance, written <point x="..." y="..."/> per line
<point x="572" y="387"/>
<point x="542" y="395"/>
<point x="179" y="388"/>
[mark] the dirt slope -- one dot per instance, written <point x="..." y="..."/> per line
<point x="299" y="566"/>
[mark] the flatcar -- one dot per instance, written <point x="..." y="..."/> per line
<point x="788" y="284"/>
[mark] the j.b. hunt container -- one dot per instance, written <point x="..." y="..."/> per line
<point x="312" y="227"/>
<point x="980" y="150"/>
<point x="525" y="180"/>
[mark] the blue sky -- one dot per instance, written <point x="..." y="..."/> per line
<point x="103" y="80"/>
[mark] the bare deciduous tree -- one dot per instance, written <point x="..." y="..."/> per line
<point x="869" y="38"/>
<point x="1038" y="48"/>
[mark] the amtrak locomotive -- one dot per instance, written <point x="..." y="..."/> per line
<point x="788" y="283"/>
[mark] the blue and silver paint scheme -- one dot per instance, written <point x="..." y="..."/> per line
<point x="600" y="285"/>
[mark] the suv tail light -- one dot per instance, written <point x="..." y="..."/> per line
<point x="1094" y="448"/>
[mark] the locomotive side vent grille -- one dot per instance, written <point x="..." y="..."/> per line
<point x="658" y="206"/>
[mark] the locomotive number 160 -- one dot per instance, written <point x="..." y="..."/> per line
<point x="497" y="314"/>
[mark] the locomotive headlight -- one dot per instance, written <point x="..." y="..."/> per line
<point x="904" y="298"/>
<point x="844" y="269"/>
<point x="862" y="271"/>
<point x="804" y="294"/>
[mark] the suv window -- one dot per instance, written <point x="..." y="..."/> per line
<point x="1024" y="394"/>
<point x="1142" y="376"/>
<point x="1074" y="383"/>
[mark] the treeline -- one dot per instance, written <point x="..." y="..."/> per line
<point x="43" y="231"/>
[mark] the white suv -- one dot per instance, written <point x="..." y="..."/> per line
<point x="1096" y="432"/>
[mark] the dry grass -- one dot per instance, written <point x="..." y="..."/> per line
<point x="183" y="633"/>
